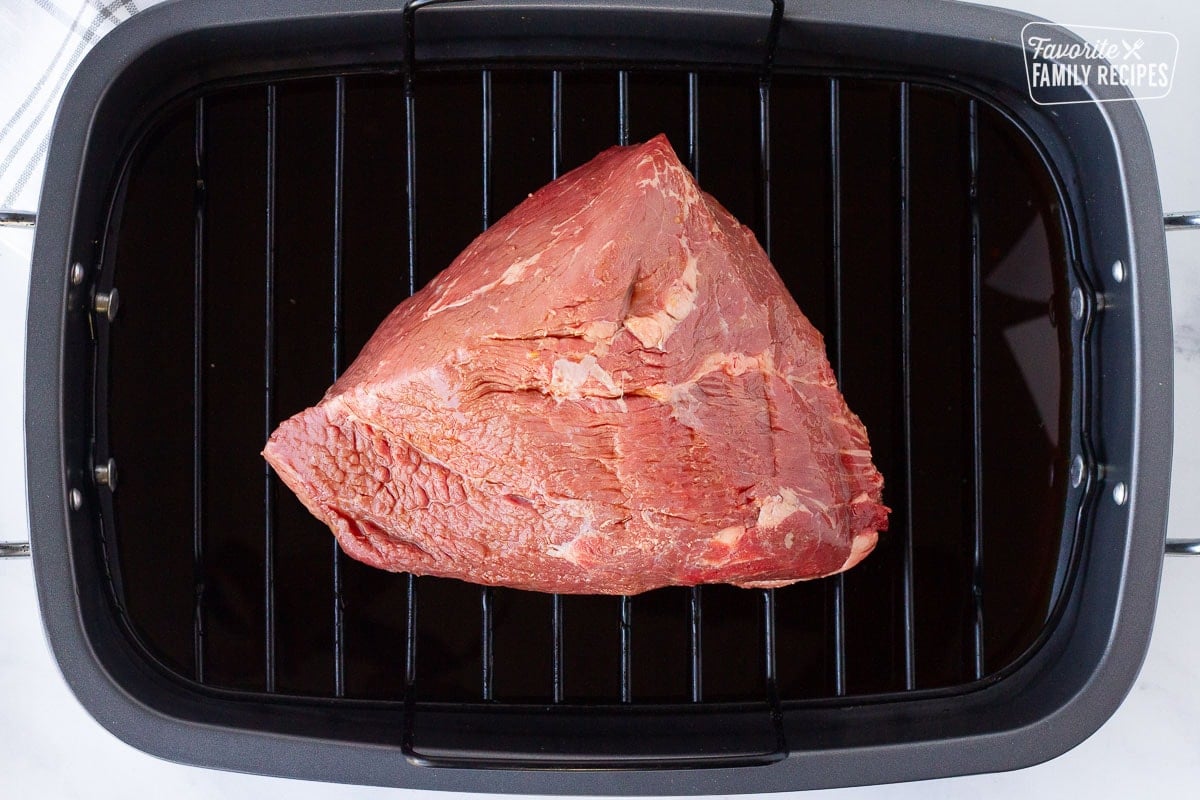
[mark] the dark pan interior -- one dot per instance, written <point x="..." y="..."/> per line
<point x="260" y="235"/>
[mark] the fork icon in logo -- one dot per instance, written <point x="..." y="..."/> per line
<point x="1132" y="49"/>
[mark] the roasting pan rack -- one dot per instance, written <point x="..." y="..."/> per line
<point x="312" y="739"/>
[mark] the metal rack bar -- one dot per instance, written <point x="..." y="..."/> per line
<point x="695" y="637"/>
<point x="694" y="124"/>
<point x="764" y="156"/>
<point x="770" y="669"/>
<point x="696" y="600"/>
<point x="1181" y="220"/>
<point x="626" y="601"/>
<point x="623" y="107"/>
<point x="626" y="650"/>
<point x="269" y="489"/>
<point x="339" y="153"/>
<point x="556" y="94"/>
<point x="556" y="601"/>
<point x="487" y="601"/>
<point x="906" y="383"/>
<point x="410" y="195"/>
<point x="410" y="183"/>
<point x="487" y="638"/>
<point x="835" y="352"/>
<point x="769" y="648"/>
<point x="198" y="395"/>
<point x="11" y="218"/>
<point x="410" y="636"/>
<point x="485" y="123"/>
<point x="556" y="634"/>
<point x="977" y="650"/>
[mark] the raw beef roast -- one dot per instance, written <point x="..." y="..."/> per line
<point x="609" y="391"/>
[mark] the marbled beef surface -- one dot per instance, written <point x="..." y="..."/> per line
<point x="609" y="391"/>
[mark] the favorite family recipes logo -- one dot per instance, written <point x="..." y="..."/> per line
<point x="1084" y="64"/>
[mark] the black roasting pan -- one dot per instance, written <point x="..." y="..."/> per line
<point x="97" y="544"/>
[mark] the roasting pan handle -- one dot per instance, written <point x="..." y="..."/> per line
<point x="410" y="36"/>
<point x="1183" y="221"/>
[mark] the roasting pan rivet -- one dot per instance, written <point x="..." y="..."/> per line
<point x="1120" y="493"/>
<point x="106" y="474"/>
<point x="106" y="303"/>
<point x="76" y="274"/>
<point x="1077" y="303"/>
<point x="1077" y="471"/>
<point x="76" y="499"/>
<point x="1118" y="270"/>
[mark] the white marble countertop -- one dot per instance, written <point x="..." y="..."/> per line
<point x="50" y="747"/>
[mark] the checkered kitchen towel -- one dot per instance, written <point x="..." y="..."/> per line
<point x="41" y="44"/>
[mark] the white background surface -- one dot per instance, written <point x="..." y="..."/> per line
<point x="50" y="748"/>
